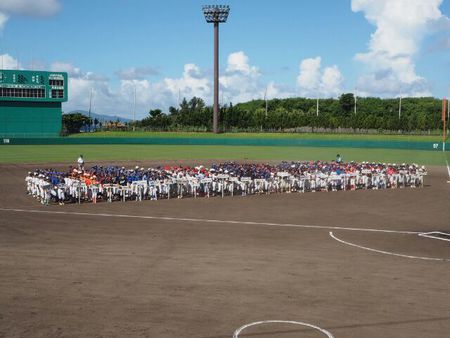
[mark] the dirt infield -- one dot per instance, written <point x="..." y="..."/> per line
<point x="350" y="263"/>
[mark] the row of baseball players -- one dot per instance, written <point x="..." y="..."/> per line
<point x="228" y="178"/>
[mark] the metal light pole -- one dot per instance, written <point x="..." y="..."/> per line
<point x="216" y="14"/>
<point x="400" y="108"/>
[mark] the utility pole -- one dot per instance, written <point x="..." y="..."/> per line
<point x="355" y="99"/>
<point x="400" y="108"/>
<point x="216" y="14"/>
<point x="265" y="99"/>
<point x="444" y="126"/>
<point x="90" y="106"/>
<point x="134" y="109"/>
<point x="317" y="107"/>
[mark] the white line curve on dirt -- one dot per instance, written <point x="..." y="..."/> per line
<point x="386" y="252"/>
<point x="238" y="331"/>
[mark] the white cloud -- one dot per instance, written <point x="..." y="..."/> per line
<point x="401" y="26"/>
<point x="148" y="96"/>
<point x="238" y="62"/>
<point x="80" y="86"/>
<point x="242" y="82"/>
<point x="33" y="8"/>
<point x="119" y="100"/>
<point x="239" y="82"/>
<point x="30" y="7"/>
<point x="9" y="62"/>
<point x="309" y="77"/>
<point x="3" y="19"/>
<point x="312" y="81"/>
<point x="278" y="91"/>
<point x="331" y="81"/>
<point x="193" y="83"/>
<point x="70" y="69"/>
<point x="136" y="73"/>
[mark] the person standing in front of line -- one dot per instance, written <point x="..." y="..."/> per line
<point x="80" y="162"/>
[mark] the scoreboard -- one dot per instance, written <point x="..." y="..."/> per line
<point x="33" y="86"/>
<point x="31" y="103"/>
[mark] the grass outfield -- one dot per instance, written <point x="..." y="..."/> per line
<point x="92" y="153"/>
<point x="307" y="136"/>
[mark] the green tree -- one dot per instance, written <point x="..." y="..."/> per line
<point x="347" y="102"/>
<point x="72" y="123"/>
<point x="259" y="119"/>
<point x="157" y="120"/>
<point x="287" y="114"/>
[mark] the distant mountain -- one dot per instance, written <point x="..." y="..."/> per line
<point x="100" y="117"/>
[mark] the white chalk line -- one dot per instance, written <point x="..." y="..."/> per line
<point x="238" y="331"/>
<point x="433" y="236"/>
<point x="387" y="252"/>
<point x="448" y="168"/>
<point x="179" y="219"/>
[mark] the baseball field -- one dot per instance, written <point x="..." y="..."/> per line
<point x="345" y="264"/>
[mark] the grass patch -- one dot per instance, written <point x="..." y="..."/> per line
<point x="92" y="153"/>
<point x="307" y="136"/>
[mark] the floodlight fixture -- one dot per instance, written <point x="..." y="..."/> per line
<point x="216" y="14"/>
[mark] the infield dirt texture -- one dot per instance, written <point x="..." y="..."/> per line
<point x="206" y="267"/>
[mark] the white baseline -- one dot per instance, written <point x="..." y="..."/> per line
<point x="387" y="252"/>
<point x="180" y="219"/>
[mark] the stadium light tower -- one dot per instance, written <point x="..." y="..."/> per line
<point x="216" y="14"/>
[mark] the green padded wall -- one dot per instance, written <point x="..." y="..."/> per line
<point x="30" y="119"/>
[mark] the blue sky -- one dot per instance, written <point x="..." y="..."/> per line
<point x="163" y="49"/>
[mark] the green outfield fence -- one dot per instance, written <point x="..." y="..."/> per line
<point x="411" y="145"/>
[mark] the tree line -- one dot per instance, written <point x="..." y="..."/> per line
<point x="296" y="114"/>
<point x="411" y="114"/>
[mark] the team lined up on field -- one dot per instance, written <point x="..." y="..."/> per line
<point x="118" y="183"/>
